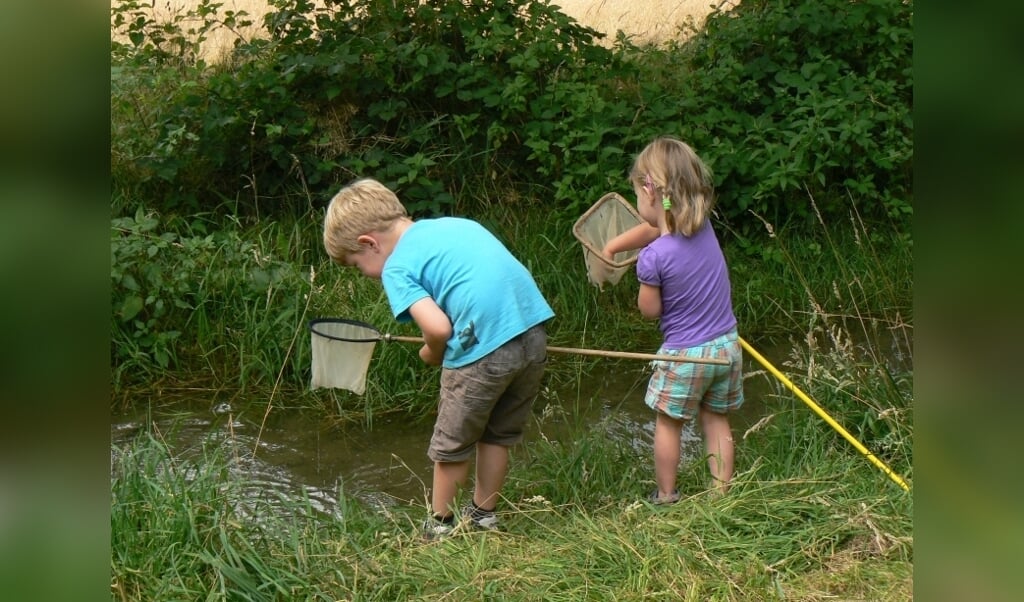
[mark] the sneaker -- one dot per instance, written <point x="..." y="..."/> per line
<point x="435" y="529"/>
<point x="657" y="500"/>
<point x="485" y="520"/>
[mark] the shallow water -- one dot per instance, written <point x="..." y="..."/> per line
<point x="297" y="456"/>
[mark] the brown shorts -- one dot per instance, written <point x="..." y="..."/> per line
<point x="489" y="401"/>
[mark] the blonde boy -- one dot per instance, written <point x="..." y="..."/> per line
<point x="482" y="318"/>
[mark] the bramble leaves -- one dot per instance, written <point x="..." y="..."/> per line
<point x="785" y="100"/>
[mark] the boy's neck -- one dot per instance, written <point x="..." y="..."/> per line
<point x="389" y="238"/>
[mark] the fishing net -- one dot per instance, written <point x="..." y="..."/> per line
<point x="610" y="216"/>
<point x="342" y="350"/>
<point x="341" y="353"/>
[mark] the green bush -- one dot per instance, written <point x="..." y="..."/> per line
<point x="798" y="98"/>
<point x="786" y="100"/>
<point x="420" y="95"/>
<point x="193" y="301"/>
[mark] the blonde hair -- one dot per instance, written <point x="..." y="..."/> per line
<point x="363" y="206"/>
<point x="677" y="174"/>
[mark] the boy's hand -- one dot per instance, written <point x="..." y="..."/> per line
<point x="429" y="357"/>
<point x="436" y="328"/>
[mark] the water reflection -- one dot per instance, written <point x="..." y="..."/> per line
<point x="297" y="456"/>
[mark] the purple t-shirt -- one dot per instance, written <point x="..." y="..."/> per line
<point x="696" y="297"/>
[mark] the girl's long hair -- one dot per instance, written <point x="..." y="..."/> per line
<point x="674" y="171"/>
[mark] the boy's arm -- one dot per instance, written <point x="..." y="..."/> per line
<point x="436" y="328"/>
<point x="636" y="237"/>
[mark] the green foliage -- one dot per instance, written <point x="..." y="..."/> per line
<point x="801" y="98"/>
<point x="420" y="95"/>
<point x="177" y="41"/>
<point x="782" y="98"/>
<point x="191" y="301"/>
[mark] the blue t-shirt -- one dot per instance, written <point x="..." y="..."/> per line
<point x="488" y="295"/>
<point x="696" y="297"/>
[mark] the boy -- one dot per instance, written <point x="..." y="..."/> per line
<point x="482" y="318"/>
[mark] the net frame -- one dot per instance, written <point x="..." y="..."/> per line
<point x="373" y="334"/>
<point x="609" y="216"/>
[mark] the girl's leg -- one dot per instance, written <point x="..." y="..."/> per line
<point x="448" y="478"/>
<point x="491" y="469"/>
<point x="718" y="445"/>
<point x="667" y="431"/>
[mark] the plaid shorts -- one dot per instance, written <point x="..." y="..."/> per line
<point x="490" y="400"/>
<point x="681" y="389"/>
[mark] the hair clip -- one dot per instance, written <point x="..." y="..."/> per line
<point x="666" y="202"/>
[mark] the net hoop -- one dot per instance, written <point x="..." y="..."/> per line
<point x="319" y="326"/>
<point x="591" y="229"/>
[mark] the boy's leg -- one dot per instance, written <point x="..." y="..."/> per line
<point x="525" y="357"/>
<point x="491" y="469"/>
<point x="718" y="445"/>
<point x="448" y="478"/>
<point x="667" y="433"/>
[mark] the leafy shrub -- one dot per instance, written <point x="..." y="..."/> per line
<point x="199" y="300"/>
<point x="785" y="99"/>
<point x="420" y="95"/>
<point x="798" y="98"/>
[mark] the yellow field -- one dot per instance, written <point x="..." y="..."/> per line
<point x="646" y="21"/>
<point x="650" y="21"/>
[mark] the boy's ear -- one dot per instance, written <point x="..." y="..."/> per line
<point x="368" y="241"/>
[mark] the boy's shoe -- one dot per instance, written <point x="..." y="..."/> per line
<point x="435" y="529"/>
<point x="485" y="520"/>
<point x="657" y="500"/>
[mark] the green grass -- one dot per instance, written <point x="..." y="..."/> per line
<point x="807" y="518"/>
<point x="244" y="293"/>
<point x="815" y="525"/>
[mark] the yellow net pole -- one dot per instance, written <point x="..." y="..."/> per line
<point x="824" y="415"/>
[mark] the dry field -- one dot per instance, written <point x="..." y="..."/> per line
<point x="646" y="21"/>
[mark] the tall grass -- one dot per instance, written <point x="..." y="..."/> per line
<point x="807" y="518"/>
<point x="225" y="307"/>
<point x="843" y="303"/>
<point x="806" y="526"/>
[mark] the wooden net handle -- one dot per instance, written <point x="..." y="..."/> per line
<point x="597" y="352"/>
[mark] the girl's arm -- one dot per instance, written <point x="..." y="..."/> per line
<point x="649" y="301"/>
<point x="436" y="328"/>
<point x="636" y="237"/>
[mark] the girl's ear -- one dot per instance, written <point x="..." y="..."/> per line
<point x="649" y="185"/>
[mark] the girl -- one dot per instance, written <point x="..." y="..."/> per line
<point x="684" y="281"/>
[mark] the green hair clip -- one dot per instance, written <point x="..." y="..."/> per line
<point x="666" y="202"/>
